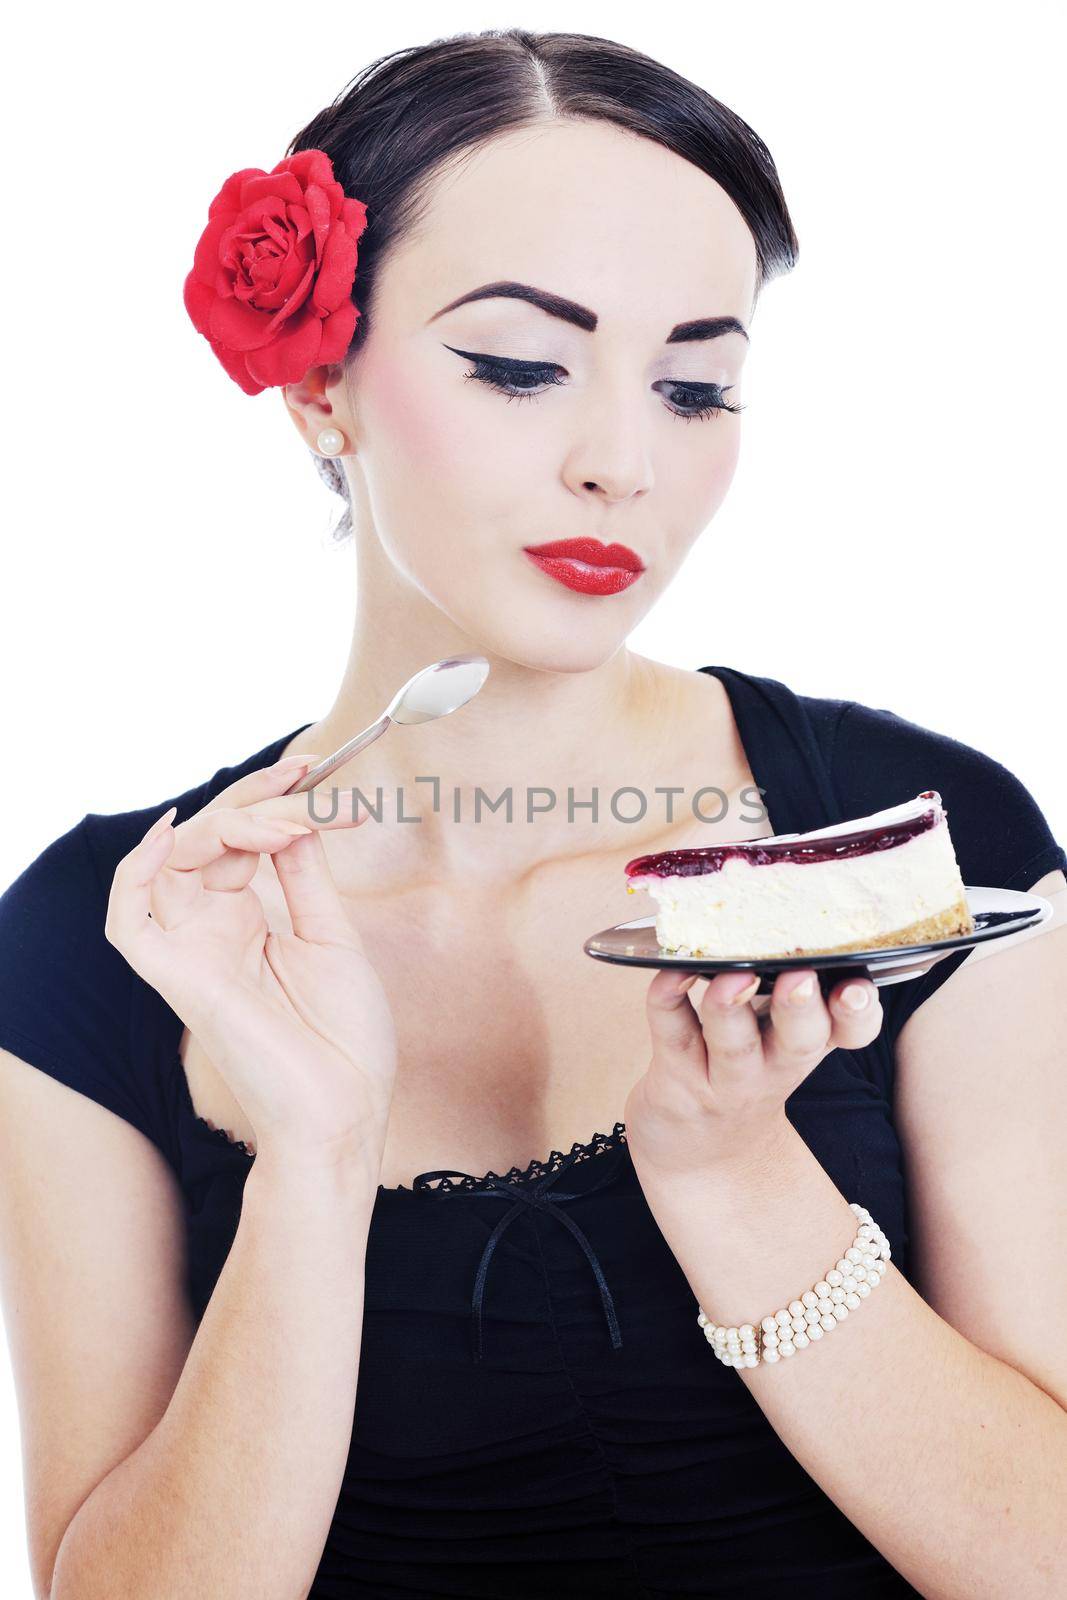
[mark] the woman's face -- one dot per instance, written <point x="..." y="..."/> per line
<point x="602" y="436"/>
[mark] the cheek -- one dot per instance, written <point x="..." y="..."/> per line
<point x="710" y="472"/>
<point x="440" y="459"/>
<point x="435" y="480"/>
<point x="726" y="458"/>
<point x="422" y="435"/>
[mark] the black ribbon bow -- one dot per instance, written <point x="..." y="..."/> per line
<point x="539" y="1198"/>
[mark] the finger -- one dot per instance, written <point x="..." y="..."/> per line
<point x="316" y="910"/>
<point x="232" y="870"/>
<point x="674" y="1026"/>
<point x="321" y="808"/>
<point x="674" y="1023"/>
<point x="317" y="809"/>
<point x="264" y="783"/>
<point x="855" y="1027"/>
<point x="216" y="842"/>
<point x="800" y="1025"/>
<point x="218" y="851"/>
<point x="127" y="924"/>
<point x="207" y="836"/>
<point x="177" y="891"/>
<point x="731" y="1029"/>
<point x="172" y="896"/>
<point x="223" y="844"/>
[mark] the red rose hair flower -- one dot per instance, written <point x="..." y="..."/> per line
<point x="270" y="287"/>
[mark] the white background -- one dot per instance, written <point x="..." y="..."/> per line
<point x="895" y="531"/>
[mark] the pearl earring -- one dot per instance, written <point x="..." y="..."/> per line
<point x="331" y="441"/>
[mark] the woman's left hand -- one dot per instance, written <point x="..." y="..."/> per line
<point x="713" y="1098"/>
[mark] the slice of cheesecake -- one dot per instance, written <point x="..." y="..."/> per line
<point x="887" y="879"/>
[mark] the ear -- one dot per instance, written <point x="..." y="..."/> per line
<point x="320" y="400"/>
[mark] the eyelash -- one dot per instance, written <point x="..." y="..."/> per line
<point x="496" y="374"/>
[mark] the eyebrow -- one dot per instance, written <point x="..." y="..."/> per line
<point x="582" y="317"/>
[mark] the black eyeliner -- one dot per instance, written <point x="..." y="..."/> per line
<point x="711" y="397"/>
<point x="509" y="363"/>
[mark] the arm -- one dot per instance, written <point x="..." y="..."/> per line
<point x="935" y="1419"/>
<point x="256" y="1435"/>
<point x="165" y="1460"/>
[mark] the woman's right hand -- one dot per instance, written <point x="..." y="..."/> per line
<point x="298" y="1024"/>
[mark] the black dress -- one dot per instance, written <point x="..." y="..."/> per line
<point x="538" y="1413"/>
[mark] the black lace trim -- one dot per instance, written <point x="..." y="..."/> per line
<point x="428" y="1182"/>
<point x="222" y="1137"/>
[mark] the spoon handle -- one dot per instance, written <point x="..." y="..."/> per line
<point x="360" y="742"/>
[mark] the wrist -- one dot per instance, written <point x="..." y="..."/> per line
<point x="756" y="1163"/>
<point x="346" y="1170"/>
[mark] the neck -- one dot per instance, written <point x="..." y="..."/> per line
<point x="593" y="729"/>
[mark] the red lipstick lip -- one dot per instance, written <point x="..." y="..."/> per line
<point x="592" y="551"/>
<point x="574" y="573"/>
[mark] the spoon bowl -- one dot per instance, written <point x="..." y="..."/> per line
<point x="437" y="690"/>
<point x="433" y="691"/>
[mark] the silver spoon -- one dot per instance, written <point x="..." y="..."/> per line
<point x="434" y="691"/>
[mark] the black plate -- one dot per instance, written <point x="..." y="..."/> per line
<point x="996" y="912"/>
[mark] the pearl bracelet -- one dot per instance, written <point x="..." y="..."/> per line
<point x="819" y="1310"/>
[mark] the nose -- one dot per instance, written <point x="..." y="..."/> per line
<point x="611" y="490"/>
<point x="612" y="458"/>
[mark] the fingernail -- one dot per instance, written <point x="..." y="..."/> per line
<point x="159" y="824"/>
<point x="295" y="761"/>
<point x="855" y="996"/>
<point x="281" y="823"/>
<point x="687" y="982"/>
<point x="802" y="992"/>
<point x="746" y="993"/>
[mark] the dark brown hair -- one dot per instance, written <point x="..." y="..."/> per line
<point x="408" y="113"/>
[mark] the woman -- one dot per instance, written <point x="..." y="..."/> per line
<point x="307" y="1348"/>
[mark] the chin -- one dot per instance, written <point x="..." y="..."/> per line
<point x="546" y="648"/>
<point x="560" y="653"/>
<point x="546" y="628"/>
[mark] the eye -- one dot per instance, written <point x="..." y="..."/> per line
<point x="516" y="379"/>
<point x="520" y="380"/>
<point x="700" y="400"/>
